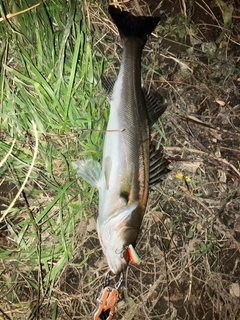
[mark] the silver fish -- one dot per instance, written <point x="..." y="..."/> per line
<point x="123" y="182"/>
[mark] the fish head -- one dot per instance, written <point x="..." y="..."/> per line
<point x="116" y="235"/>
<point x="117" y="260"/>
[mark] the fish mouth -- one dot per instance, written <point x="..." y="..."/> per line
<point x="124" y="254"/>
<point x="122" y="258"/>
<point x="120" y="262"/>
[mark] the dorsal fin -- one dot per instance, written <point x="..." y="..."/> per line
<point x="156" y="105"/>
<point x="158" y="166"/>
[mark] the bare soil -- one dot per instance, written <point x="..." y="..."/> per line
<point x="189" y="242"/>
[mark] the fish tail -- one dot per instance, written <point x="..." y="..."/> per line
<point x="133" y="26"/>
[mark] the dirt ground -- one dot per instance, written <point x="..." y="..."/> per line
<point x="189" y="242"/>
<point x="190" y="238"/>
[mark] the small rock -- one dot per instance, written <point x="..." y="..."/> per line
<point x="234" y="290"/>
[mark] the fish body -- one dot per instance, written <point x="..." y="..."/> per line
<point x="123" y="181"/>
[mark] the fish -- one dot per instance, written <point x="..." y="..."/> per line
<point x="123" y="180"/>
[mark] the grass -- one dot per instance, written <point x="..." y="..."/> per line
<point x="47" y="98"/>
<point x="52" y="112"/>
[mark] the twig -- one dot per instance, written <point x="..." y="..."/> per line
<point x="27" y="176"/>
<point x="12" y="15"/>
<point x="191" y="277"/>
<point x="8" y="154"/>
<point x="92" y="130"/>
<point x="196" y="199"/>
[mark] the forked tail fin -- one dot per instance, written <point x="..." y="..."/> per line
<point x="133" y="26"/>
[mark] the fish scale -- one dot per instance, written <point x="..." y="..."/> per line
<point x="123" y="180"/>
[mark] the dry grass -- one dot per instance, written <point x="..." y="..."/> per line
<point x="189" y="242"/>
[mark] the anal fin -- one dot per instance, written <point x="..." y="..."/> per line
<point x="108" y="85"/>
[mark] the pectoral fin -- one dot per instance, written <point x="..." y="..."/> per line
<point x="89" y="170"/>
<point x="107" y="170"/>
